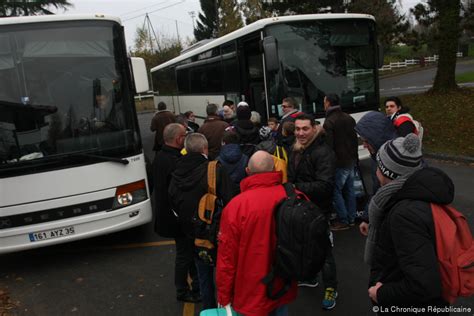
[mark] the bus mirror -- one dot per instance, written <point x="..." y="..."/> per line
<point x="140" y="75"/>
<point x="270" y="50"/>
<point x="380" y="55"/>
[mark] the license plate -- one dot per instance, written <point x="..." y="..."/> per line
<point x="53" y="233"/>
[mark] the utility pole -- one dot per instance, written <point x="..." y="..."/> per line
<point x="151" y="31"/>
<point x="177" y="31"/>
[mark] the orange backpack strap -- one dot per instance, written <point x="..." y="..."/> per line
<point x="211" y="177"/>
<point x="208" y="201"/>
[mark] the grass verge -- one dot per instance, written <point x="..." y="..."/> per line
<point x="465" y="77"/>
<point x="144" y="105"/>
<point x="447" y="120"/>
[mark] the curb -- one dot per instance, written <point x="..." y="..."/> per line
<point x="449" y="157"/>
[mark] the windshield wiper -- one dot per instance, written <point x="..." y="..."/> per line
<point x="38" y="108"/>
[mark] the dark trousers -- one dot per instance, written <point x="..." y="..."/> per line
<point x="184" y="266"/>
<point x="206" y="284"/>
<point x="329" y="268"/>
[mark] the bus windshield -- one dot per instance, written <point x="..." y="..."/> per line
<point x="64" y="90"/>
<point x="322" y="57"/>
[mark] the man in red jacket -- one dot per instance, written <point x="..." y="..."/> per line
<point x="247" y="242"/>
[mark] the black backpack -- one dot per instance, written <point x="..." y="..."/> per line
<point x="302" y="242"/>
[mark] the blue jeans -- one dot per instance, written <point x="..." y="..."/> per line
<point x="206" y="284"/>
<point x="280" y="311"/>
<point x="344" y="196"/>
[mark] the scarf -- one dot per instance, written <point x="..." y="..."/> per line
<point x="378" y="211"/>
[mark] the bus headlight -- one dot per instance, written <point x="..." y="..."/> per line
<point x="129" y="194"/>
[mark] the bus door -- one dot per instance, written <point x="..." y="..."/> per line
<point x="252" y="79"/>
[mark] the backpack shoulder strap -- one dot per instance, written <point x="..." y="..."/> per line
<point x="289" y="189"/>
<point x="211" y="176"/>
<point x="269" y="281"/>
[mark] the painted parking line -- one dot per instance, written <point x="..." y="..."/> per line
<point x="188" y="309"/>
<point x="144" y="245"/>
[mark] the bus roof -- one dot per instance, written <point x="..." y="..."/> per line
<point x="258" y="25"/>
<point x="56" y="18"/>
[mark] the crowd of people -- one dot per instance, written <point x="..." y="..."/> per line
<point x="319" y="161"/>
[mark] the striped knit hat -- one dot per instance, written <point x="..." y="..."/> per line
<point x="400" y="156"/>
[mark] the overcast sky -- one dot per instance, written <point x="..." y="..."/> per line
<point x="165" y="15"/>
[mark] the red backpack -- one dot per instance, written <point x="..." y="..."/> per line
<point x="455" y="250"/>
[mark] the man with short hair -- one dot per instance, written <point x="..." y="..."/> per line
<point x="311" y="168"/>
<point x="342" y="138"/>
<point x="242" y="262"/>
<point x="166" y="220"/>
<point x="162" y="118"/>
<point x="213" y="129"/>
<point x="290" y="112"/>
<point x="188" y="184"/>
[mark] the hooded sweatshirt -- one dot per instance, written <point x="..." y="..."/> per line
<point x="233" y="161"/>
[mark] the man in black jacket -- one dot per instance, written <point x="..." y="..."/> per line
<point x="311" y="168"/>
<point x="341" y="136"/>
<point x="166" y="221"/>
<point x="400" y="247"/>
<point x="188" y="184"/>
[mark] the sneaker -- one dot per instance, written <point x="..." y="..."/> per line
<point x="309" y="283"/>
<point x="339" y="226"/>
<point x="329" y="301"/>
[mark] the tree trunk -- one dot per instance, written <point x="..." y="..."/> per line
<point x="449" y="31"/>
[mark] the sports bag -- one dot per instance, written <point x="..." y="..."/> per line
<point x="302" y="242"/>
<point x="207" y="218"/>
<point x="455" y="251"/>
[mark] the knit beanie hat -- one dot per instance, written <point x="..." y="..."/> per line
<point x="243" y="113"/>
<point x="400" y="156"/>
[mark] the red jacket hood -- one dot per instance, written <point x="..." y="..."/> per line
<point x="260" y="180"/>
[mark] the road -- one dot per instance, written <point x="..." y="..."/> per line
<point x="419" y="81"/>
<point x="131" y="272"/>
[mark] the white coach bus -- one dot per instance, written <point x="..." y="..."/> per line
<point x="71" y="158"/>
<point x="302" y="56"/>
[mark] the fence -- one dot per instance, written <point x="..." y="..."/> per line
<point x="411" y="62"/>
<point x="140" y="97"/>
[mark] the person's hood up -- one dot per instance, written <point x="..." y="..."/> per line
<point x="190" y="170"/>
<point x="376" y="128"/>
<point x="429" y="184"/>
<point x="248" y="132"/>
<point x="230" y="153"/>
